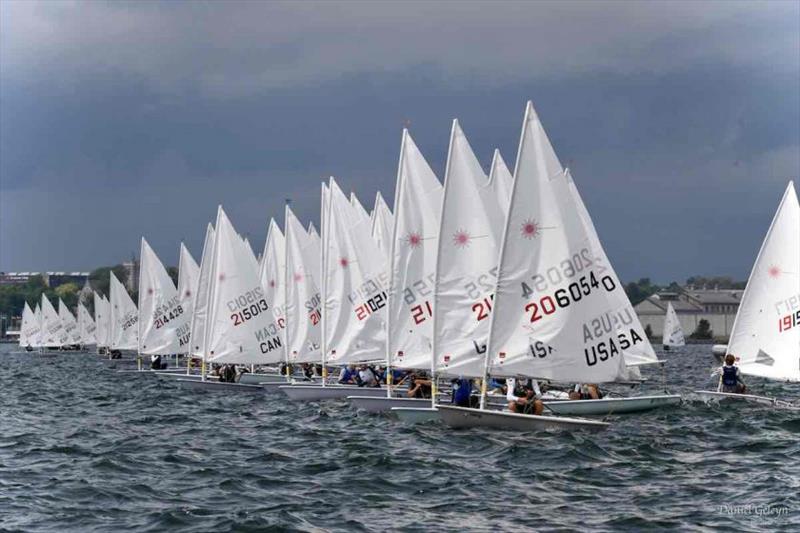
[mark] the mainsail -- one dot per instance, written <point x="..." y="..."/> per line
<point x="303" y="315"/>
<point x="673" y="333"/>
<point x="101" y="319"/>
<point x="69" y="333"/>
<point x="52" y="327"/>
<point x="356" y="283"/>
<point x="765" y="337"/>
<point x="272" y="274"/>
<point x="555" y="298"/>
<point x="200" y="311"/>
<point x="124" y="317"/>
<point x="188" y="274"/>
<point x="418" y="201"/>
<point x="28" y="329"/>
<point x="473" y="213"/>
<point x="161" y="315"/>
<point x="239" y="325"/>
<point x="87" y="329"/>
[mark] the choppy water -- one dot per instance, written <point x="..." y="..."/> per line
<point x="83" y="448"/>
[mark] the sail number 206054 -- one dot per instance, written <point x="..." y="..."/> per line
<point x="574" y="292"/>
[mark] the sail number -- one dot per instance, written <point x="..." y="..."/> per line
<point x="250" y="312"/>
<point x="370" y="306"/>
<point x="164" y="319"/>
<point x="574" y="292"/>
<point x="789" y="322"/>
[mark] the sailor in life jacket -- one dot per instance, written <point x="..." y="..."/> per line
<point x="730" y="380"/>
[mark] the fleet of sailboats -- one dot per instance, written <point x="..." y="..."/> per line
<point x="479" y="277"/>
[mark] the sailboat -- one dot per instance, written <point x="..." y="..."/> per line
<point x="162" y="318"/>
<point x="188" y="274"/>
<point x="556" y="312"/>
<point x="354" y="295"/>
<point x="87" y="329"/>
<point x="52" y="326"/>
<point x="237" y="315"/>
<point x="101" y="320"/>
<point x="765" y="339"/>
<point x="29" y="329"/>
<point x="473" y="216"/>
<point x="70" y="337"/>
<point x="123" y="318"/>
<point x="673" y="332"/>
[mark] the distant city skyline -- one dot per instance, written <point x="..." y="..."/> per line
<point x="680" y="121"/>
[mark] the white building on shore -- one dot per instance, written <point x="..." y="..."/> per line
<point x="717" y="306"/>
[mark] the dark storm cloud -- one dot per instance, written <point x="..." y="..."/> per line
<point x="680" y="121"/>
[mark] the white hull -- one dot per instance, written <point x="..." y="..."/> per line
<point x="462" y="417"/>
<point x="416" y="415"/>
<point x="762" y="400"/>
<point x="611" y="406"/>
<point x="183" y="375"/>
<point x="372" y="404"/>
<point x="255" y="379"/>
<point x="217" y="386"/>
<point x="313" y="393"/>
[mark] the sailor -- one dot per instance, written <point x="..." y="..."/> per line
<point x="730" y="380"/>
<point x="462" y="393"/>
<point x="585" y="391"/>
<point x="348" y="375"/>
<point x="366" y="377"/>
<point x="419" y="386"/>
<point x="155" y="362"/>
<point x="524" y="399"/>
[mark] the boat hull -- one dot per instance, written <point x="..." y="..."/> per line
<point x="255" y="379"/>
<point x="313" y="393"/>
<point x="373" y="404"/>
<point x="611" y="406"/>
<point x="714" y="395"/>
<point x="197" y="384"/>
<point x="416" y="415"/>
<point x="463" y="417"/>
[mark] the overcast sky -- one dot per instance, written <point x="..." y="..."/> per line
<point x="680" y="121"/>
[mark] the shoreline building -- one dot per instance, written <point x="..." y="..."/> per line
<point x="717" y="306"/>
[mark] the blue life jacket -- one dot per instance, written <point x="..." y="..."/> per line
<point x="462" y="392"/>
<point x="729" y="378"/>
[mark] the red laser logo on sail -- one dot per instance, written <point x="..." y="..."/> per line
<point x="414" y="240"/>
<point x="530" y="229"/>
<point x="461" y="239"/>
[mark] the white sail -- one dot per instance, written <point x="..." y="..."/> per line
<point x="251" y="254"/>
<point x="501" y="178"/>
<point x="418" y="201"/>
<point x="28" y="326"/>
<point x="200" y="311"/>
<point x="313" y="233"/>
<point x="36" y="335"/>
<point x="552" y="317"/>
<point x="303" y="314"/>
<point x="101" y="317"/>
<point x="70" y="334"/>
<point x="188" y="275"/>
<point x="673" y="333"/>
<point x="87" y="329"/>
<point x="765" y="337"/>
<point x="239" y="317"/>
<point x="382" y="226"/>
<point x="272" y="274"/>
<point x="123" y="317"/>
<point x="637" y="353"/>
<point x="471" y="231"/>
<point x="162" y="318"/>
<point x="358" y="207"/>
<point x="357" y="279"/>
<point x="52" y="327"/>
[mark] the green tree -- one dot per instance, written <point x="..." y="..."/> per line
<point x="703" y="330"/>
<point x="638" y="291"/>
<point x="173" y="273"/>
